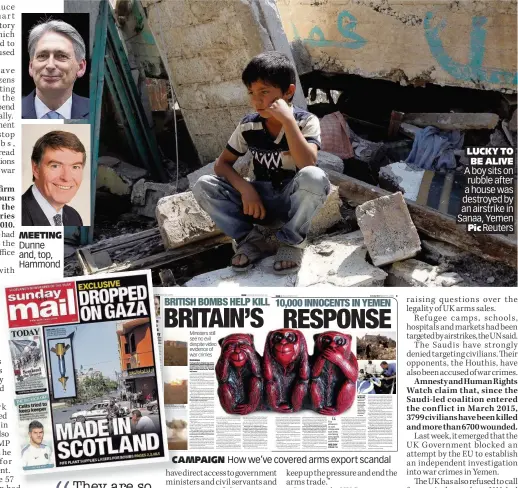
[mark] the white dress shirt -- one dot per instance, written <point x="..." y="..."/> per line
<point x="41" y="109"/>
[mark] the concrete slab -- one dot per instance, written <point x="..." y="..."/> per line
<point x="401" y="177"/>
<point x="338" y="261"/>
<point x="261" y="275"/>
<point x="181" y="221"/>
<point x="390" y="235"/>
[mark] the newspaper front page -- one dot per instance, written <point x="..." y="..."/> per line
<point x="388" y="358"/>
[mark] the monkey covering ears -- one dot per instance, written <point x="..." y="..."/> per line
<point x="333" y="374"/>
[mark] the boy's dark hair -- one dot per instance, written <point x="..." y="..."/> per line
<point x="271" y="67"/>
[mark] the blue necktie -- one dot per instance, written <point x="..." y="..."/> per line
<point x="57" y="219"/>
<point x="52" y="115"/>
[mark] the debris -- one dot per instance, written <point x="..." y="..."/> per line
<point x="167" y="277"/>
<point x="453" y="121"/>
<point x="512" y="122"/>
<point x="117" y="176"/>
<point x="390" y="234"/>
<point x="260" y="275"/>
<point x="328" y="215"/>
<point x="344" y="265"/>
<point x="401" y="177"/>
<point x="498" y="139"/>
<point x="507" y="132"/>
<point x="146" y="194"/>
<point x="441" y="252"/>
<point x="364" y="150"/>
<point x="141" y="250"/>
<point x="328" y="161"/>
<point x="181" y="220"/>
<point x="413" y="272"/>
<point x="491" y="279"/>
<point x="338" y="261"/>
<point x="434" y="224"/>
<point x="448" y="279"/>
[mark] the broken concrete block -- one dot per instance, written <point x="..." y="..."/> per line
<point x="338" y="261"/>
<point x="243" y="166"/>
<point x="389" y="233"/>
<point x="328" y="215"/>
<point x="419" y="274"/>
<point x="182" y="221"/>
<point x="146" y="194"/>
<point x="401" y="177"/>
<point x="453" y="121"/>
<point x="411" y="273"/>
<point x="328" y="161"/>
<point x="117" y="176"/>
<point x="260" y="275"/>
<point x="441" y="252"/>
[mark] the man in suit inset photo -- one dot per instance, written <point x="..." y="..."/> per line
<point x="57" y="58"/>
<point x="58" y="161"/>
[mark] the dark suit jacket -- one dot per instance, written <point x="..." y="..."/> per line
<point x="32" y="214"/>
<point x="80" y="107"/>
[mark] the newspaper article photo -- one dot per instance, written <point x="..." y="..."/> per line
<point x="258" y="243"/>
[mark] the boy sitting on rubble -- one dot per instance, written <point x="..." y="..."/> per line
<point x="288" y="187"/>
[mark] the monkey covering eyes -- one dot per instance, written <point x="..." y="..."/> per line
<point x="238" y="371"/>
<point x="286" y="370"/>
<point x="333" y="374"/>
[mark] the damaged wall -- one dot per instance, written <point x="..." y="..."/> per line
<point x="468" y="43"/>
<point x="205" y="45"/>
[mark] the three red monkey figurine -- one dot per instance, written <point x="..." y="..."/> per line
<point x="287" y="379"/>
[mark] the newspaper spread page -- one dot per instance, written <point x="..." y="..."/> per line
<point x="258" y="243"/>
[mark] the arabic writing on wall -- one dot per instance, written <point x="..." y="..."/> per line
<point x="472" y="71"/>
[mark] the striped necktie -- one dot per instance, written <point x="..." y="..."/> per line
<point x="57" y="220"/>
<point x="52" y="115"/>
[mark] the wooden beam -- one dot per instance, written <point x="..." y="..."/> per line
<point x="453" y="121"/>
<point x="432" y="223"/>
<point x="153" y="260"/>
